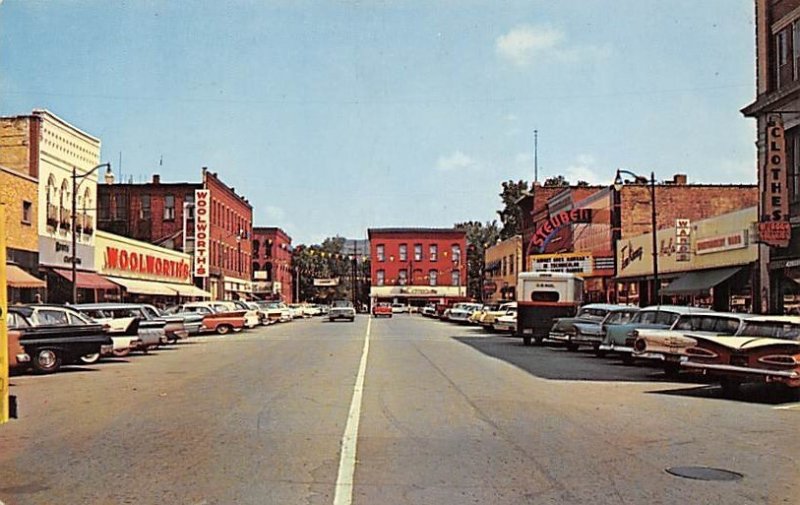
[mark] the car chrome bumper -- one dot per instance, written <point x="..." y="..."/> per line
<point x="616" y="348"/>
<point x="784" y="374"/>
<point x="558" y="336"/>
<point x="23" y="358"/>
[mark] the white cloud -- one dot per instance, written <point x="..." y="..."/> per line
<point x="455" y="161"/>
<point x="583" y="169"/>
<point x="521" y="44"/>
<point x="524" y="44"/>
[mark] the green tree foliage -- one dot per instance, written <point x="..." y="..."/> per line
<point x="557" y="180"/>
<point x="511" y="214"/>
<point x="479" y="237"/>
<point x="329" y="260"/>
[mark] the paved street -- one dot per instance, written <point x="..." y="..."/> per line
<point x="450" y="415"/>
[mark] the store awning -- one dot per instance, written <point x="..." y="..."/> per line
<point x="88" y="280"/>
<point x="699" y="283"/>
<point x="19" y="278"/>
<point x="143" y="287"/>
<point x="190" y="290"/>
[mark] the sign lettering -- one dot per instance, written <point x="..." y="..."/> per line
<point x="546" y="231"/>
<point x="117" y="259"/>
<point x="775" y="198"/>
<point x="202" y="198"/>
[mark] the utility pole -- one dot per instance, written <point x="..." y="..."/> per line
<point x="5" y="399"/>
<point x="535" y="155"/>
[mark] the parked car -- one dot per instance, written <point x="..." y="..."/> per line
<point x="216" y="318"/>
<point x="38" y="341"/>
<point x="312" y="310"/>
<point x="191" y="322"/>
<point x="461" y="312"/>
<point x="342" y="309"/>
<point x="768" y="350"/>
<point x="298" y="310"/>
<point x="399" y="308"/>
<point x="429" y="311"/>
<point x="588" y="326"/>
<point x="506" y="323"/>
<point x="252" y="317"/>
<point x="276" y="311"/>
<point x="152" y="331"/>
<point x="382" y="310"/>
<point x="620" y="338"/>
<point x="489" y="317"/>
<point x="670" y="345"/>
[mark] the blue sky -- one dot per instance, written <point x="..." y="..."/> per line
<point x="335" y="116"/>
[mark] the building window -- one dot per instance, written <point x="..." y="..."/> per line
<point x="402" y="277"/>
<point x="120" y="207"/>
<point x="403" y="252"/>
<point x="380" y="278"/>
<point x="189" y="205"/>
<point x="433" y="252"/>
<point x="433" y="278"/>
<point x="793" y="167"/>
<point x="511" y="264"/>
<point x="169" y="208"/>
<point x="456" y="278"/>
<point x="380" y="252"/>
<point x="504" y="267"/>
<point x="456" y="251"/>
<point x="27" y="208"/>
<point x="144" y="212"/>
<point x="417" y="252"/>
<point x="783" y="54"/>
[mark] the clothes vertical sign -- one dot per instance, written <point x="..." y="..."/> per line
<point x="683" y="235"/>
<point x="774" y="227"/>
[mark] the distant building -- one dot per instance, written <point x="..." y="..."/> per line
<point x="503" y="261"/>
<point x="272" y="264"/>
<point x="777" y="113"/>
<point x="417" y="265"/>
<point x="164" y="214"/>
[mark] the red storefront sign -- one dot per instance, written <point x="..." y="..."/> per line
<point x="775" y="233"/>
<point x="547" y="229"/>
<point x="117" y="259"/>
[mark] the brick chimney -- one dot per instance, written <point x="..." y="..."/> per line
<point x="156" y="179"/>
<point x="679" y="179"/>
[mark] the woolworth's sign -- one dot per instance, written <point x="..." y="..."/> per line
<point x="202" y="231"/>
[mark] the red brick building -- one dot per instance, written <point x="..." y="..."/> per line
<point x="163" y="214"/>
<point x="577" y="227"/>
<point x="272" y="264"/>
<point x="416" y="266"/>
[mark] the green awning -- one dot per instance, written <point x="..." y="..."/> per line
<point x="699" y="283"/>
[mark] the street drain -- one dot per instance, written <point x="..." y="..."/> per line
<point x="704" y="473"/>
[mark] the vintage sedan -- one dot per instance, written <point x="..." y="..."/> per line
<point x="588" y="326"/>
<point x="620" y="338"/>
<point x="342" y="309"/>
<point x="669" y="346"/>
<point x="216" y="318"/>
<point x="461" y="312"/>
<point x="152" y="331"/>
<point x="767" y="351"/>
<point x="507" y="323"/>
<point x="33" y="341"/>
<point x="382" y="310"/>
<point x="490" y="316"/>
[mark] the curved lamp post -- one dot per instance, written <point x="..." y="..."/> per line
<point x="75" y="187"/>
<point x="618" y="183"/>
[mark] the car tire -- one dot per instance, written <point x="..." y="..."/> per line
<point x="121" y="353"/>
<point x="45" y="361"/>
<point x="600" y="353"/>
<point x="526" y="340"/>
<point x="572" y="347"/>
<point x="627" y="358"/>
<point x="224" y="329"/>
<point x="672" y="370"/>
<point x="539" y="340"/>
<point x="89" y="359"/>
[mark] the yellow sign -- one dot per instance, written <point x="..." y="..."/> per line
<point x="4" y="399"/>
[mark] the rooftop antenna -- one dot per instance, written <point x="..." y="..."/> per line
<point x="161" y="161"/>
<point x="120" y="166"/>
<point x="535" y="155"/>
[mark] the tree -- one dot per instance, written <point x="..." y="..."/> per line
<point x="557" y="180"/>
<point x="479" y="237"/>
<point x="582" y="184"/>
<point x="325" y="261"/>
<point x="511" y="214"/>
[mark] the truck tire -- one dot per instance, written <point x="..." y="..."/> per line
<point x="526" y="340"/>
<point x="46" y="361"/>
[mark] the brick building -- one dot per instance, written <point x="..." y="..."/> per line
<point x="48" y="148"/>
<point x="577" y="228"/>
<point x="417" y="265"/>
<point x="777" y="113"/>
<point x="272" y="264"/>
<point x="164" y="214"/>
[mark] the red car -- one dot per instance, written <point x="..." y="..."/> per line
<point x="382" y="310"/>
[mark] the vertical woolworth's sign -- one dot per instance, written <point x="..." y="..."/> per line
<point x="774" y="226"/>
<point x="202" y="228"/>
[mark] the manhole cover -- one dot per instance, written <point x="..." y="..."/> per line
<point x="704" y="473"/>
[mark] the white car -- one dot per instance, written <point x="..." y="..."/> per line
<point x="399" y="308"/>
<point x="251" y="318"/>
<point x="461" y="312"/>
<point x="506" y="323"/>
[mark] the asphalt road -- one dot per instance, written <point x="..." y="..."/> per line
<point x="449" y="415"/>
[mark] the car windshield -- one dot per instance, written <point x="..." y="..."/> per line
<point x="771" y="329"/>
<point x="592" y="313"/>
<point x="342" y="304"/>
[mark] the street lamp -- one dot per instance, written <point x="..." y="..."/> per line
<point x="75" y="187"/>
<point x="618" y="183"/>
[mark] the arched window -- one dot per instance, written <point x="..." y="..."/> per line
<point x="63" y="202"/>
<point x="256" y="244"/>
<point x="255" y="267"/>
<point x="50" y="197"/>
